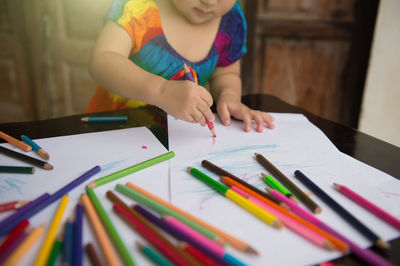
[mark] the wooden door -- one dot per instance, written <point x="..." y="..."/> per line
<point x="313" y="54"/>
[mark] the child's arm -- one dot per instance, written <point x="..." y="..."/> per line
<point x="111" y="69"/>
<point x="226" y="87"/>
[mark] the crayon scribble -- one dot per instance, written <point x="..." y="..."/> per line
<point x="8" y="184"/>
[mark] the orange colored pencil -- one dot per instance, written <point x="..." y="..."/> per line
<point x="15" y="142"/>
<point x="100" y="233"/>
<point x="339" y="244"/>
<point x="238" y="244"/>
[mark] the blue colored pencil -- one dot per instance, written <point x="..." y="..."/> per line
<point x="46" y="202"/>
<point x="14" y="219"/>
<point x="68" y="249"/>
<point x="78" y="235"/>
<point x="42" y="153"/>
<point x="104" y="119"/>
<point x="357" y="224"/>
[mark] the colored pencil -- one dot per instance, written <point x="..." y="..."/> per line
<point x="12" y="247"/>
<point x="242" y="202"/>
<point x="42" y="153"/>
<point x="9" y="206"/>
<point x="16" y="169"/>
<point x="91" y="119"/>
<point x="153" y="230"/>
<point x="49" y="200"/>
<point x="23" y="248"/>
<point x="18" y="230"/>
<point x="177" y="233"/>
<point x="55" y="251"/>
<point x="48" y="243"/>
<point x="290" y="223"/>
<point x="15" y="142"/>
<point x="214" y="248"/>
<point x="276" y="185"/>
<point x="190" y="77"/>
<point x="149" y="235"/>
<point x="78" y="235"/>
<point x="99" y="232"/>
<point x="25" y="158"/>
<point x="307" y="201"/>
<point x="357" y="224"/>
<point x="142" y="199"/>
<point x="110" y="228"/>
<point x="67" y="249"/>
<point x="93" y="257"/>
<point x="14" y="219"/>
<point x="364" y="254"/>
<point x="341" y="246"/>
<point x="227" y="238"/>
<point x="221" y="172"/>
<point x="390" y="219"/>
<point x="153" y="255"/>
<point x="131" y="169"/>
<point x="197" y="254"/>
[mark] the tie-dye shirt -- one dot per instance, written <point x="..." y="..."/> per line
<point x="152" y="52"/>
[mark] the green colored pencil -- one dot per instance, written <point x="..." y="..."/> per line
<point x="275" y="184"/>
<point x="16" y="169"/>
<point x="121" y="248"/>
<point x="153" y="255"/>
<point x="161" y="209"/>
<point x="111" y="177"/>
<point x="54" y="252"/>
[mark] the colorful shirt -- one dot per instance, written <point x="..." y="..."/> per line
<point x="152" y="52"/>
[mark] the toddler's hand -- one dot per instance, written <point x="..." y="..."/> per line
<point x="186" y="100"/>
<point x="228" y="106"/>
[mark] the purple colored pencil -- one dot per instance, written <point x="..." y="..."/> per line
<point x="11" y="247"/>
<point x="78" y="235"/>
<point x="14" y="219"/>
<point x="49" y="200"/>
<point x="176" y="233"/>
<point x="364" y="254"/>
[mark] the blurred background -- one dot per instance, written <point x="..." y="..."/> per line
<point x="338" y="59"/>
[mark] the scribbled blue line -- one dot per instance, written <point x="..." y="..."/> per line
<point x="10" y="184"/>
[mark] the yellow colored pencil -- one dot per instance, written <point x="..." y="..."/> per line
<point x="100" y="232"/>
<point x="23" y="248"/>
<point x="47" y="245"/>
<point x="254" y="209"/>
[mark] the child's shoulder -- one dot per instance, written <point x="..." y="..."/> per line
<point x="132" y="5"/>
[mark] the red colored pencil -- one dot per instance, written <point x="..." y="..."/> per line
<point x="200" y="256"/>
<point x="146" y="233"/>
<point x="18" y="230"/>
<point x="368" y="205"/>
<point x="12" y="205"/>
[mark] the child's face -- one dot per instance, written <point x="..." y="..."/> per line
<point x="201" y="11"/>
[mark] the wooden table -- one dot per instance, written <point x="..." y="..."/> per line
<point x="370" y="150"/>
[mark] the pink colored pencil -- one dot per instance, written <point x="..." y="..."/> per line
<point x="368" y="205"/>
<point x="212" y="246"/>
<point x="364" y="254"/>
<point x="295" y="226"/>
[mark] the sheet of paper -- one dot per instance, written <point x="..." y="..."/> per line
<point x="73" y="155"/>
<point x="295" y="144"/>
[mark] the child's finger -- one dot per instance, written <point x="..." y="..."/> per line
<point x="269" y="120"/>
<point x="224" y="114"/>
<point x="206" y="112"/>
<point x="247" y="122"/>
<point x="259" y="122"/>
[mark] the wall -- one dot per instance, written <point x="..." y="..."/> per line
<point x="381" y="102"/>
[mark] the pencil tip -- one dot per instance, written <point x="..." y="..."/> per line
<point x="92" y="185"/>
<point x="382" y="244"/>
<point x="85" y="119"/>
<point x="47" y="166"/>
<point x="252" y="251"/>
<point x="256" y="154"/>
<point x="317" y="210"/>
<point x="328" y="246"/>
<point x="336" y="186"/>
<point x="189" y="168"/>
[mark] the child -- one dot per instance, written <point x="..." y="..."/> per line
<point x="139" y="55"/>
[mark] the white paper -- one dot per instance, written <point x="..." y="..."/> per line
<point x="295" y="144"/>
<point x="73" y="155"/>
